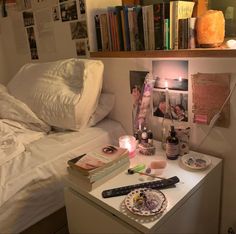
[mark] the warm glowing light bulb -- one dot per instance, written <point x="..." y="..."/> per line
<point x="180" y="78"/>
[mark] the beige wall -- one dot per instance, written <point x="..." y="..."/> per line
<point x="3" y="65"/>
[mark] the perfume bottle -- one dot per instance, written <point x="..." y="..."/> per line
<point x="172" y="145"/>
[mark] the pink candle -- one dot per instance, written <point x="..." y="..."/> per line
<point x="129" y="143"/>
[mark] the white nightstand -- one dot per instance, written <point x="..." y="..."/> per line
<point x="193" y="205"/>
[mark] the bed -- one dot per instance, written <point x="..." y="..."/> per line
<point x="49" y="113"/>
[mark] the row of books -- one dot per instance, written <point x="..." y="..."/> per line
<point x="149" y="27"/>
<point x="91" y="170"/>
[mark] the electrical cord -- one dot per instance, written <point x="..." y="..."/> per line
<point x="215" y="118"/>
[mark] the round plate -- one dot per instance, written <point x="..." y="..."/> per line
<point x="195" y="161"/>
<point x="146" y="202"/>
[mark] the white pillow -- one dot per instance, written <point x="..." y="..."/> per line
<point x="13" y="109"/>
<point x="105" y="105"/>
<point x="63" y="93"/>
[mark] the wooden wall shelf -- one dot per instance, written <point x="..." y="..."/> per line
<point x="214" y="52"/>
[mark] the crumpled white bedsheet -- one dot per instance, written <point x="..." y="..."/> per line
<point x="13" y="139"/>
<point x="31" y="185"/>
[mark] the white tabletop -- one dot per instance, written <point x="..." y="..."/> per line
<point x="190" y="180"/>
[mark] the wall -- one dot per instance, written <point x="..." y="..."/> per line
<point x="116" y="79"/>
<point x="4" y="77"/>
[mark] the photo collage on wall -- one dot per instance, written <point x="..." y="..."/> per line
<point x="170" y="94"/>
<point x="28" y="18"/>
<point x="78" y="27"/>
<point x="72" y="12"/>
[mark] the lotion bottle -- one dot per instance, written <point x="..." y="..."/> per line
<point x="172" y="145"/>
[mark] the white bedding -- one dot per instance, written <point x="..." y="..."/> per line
<point x="32" y="183"/>
<point x="13" y="139"/>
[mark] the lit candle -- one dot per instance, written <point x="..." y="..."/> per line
<point x="129" y="143"/>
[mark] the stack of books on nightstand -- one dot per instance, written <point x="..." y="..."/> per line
<point x="90" y="170"/>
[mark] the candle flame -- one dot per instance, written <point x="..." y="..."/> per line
<point x="166" y="84"/>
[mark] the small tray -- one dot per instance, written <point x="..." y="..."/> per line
<point x="195" y="161"/>
<point x="154" y="202"/>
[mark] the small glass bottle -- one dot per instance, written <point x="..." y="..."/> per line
<point x="144" y="136"/>
<point x="172" y="145"/>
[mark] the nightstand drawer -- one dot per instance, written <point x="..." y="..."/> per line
<point x="84" y="216"/>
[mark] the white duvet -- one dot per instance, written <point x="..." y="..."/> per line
<point x="19" y="126"/>
<point x="13" y="139"/>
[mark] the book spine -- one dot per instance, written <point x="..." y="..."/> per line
<point x="98" y="32"/>
<point x="185" y="33"/>
<point x="131" y="29"/>
<point x="119" y="27"/>
<point x="123" y="29"/>
<point x="108" y="170"/>
<point x="104" y="32"/>
<point x="111" y="28"/>
<point x="145" y="28"/>
<point x="109" y="32"/>
<point x="180" y="35"/>
<point x="135" y="22"/>
<point x="176" y="25"/>
<point x="158" y="16"/>
<point x="117" y="41"/>
<point x="139" y="14"/>
<point x="126" y="21"/>
<point x="88" y="185"/>
<point x="166" y="34"/>
<point x="182" y="10"/>
<point x="171" y="29"/>
<point x="192" y="33"/>
<point x="150" y="22"/>
<point x="166" y="37"/>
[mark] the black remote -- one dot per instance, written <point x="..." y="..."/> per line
<point x="159" y="184"/>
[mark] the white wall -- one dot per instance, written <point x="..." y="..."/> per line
<point x="221" y="142"/>
<point x="3" y="64"/>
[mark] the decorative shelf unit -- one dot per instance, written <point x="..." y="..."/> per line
<point x="214" y="52"/>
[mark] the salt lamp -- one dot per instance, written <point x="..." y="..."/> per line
<point x="210" y="29"/>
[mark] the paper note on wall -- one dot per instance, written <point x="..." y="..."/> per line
<point x="209" y="94"/>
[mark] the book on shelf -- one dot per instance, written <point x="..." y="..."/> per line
<point x="90" y="185"/>
<point x="150" y="25"/>
<point x="158" y="16"/>
<point x="183" y="34"/>
<point x="117" y="12"/>
<point x="147" y="27"/>
<point x="98" y="159"/>
<point x="104" y="32"/>
<point x="131" y="28"/>
<point x="111" y="19"/>
<point x="192" y="33"/>
<point x="166" y="37"/>
<point x="138" y="20"/>
<point x="98" y="32"/>
<point x="178" y="10"/>
<point x="125" y="28"/>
